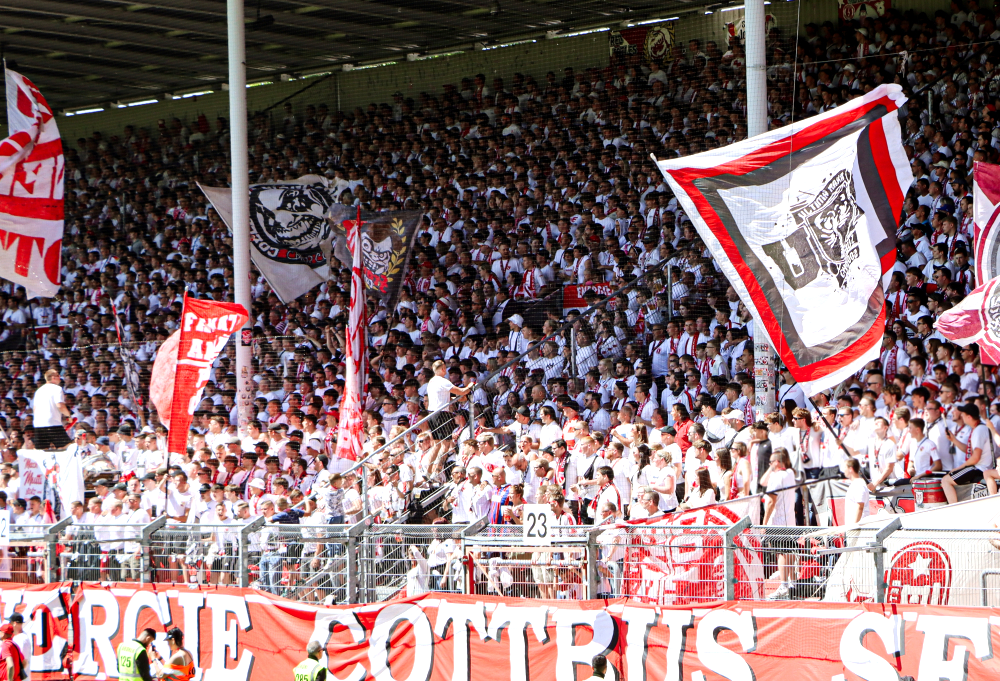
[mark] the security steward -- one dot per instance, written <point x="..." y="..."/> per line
<point x="311" y="669"/>
<point x="133" y="660"/>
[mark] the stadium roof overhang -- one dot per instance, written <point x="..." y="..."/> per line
<point x="83" y="52"/>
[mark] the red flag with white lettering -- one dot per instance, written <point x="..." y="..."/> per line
<point x="31" y="191"/>
<point x="205" y="329"/>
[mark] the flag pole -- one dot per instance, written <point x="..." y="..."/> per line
<point x="755" y="36"/>
<point x="241" y="208"/>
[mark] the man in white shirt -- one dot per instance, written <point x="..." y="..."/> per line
<point x="48" y="408"/>
<point x="881" y="455"/>
<point x="779" y="510"/>
<point x="856" y="498"/>
<point x="22" y="639"/>
<point x="979" y="453"/>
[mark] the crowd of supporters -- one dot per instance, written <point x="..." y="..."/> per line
<point x="525" y="185"/>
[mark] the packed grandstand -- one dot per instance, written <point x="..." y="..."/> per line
<point x="635" y="401"/>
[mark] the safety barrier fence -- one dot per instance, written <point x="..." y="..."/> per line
<point x="663" y="564"/>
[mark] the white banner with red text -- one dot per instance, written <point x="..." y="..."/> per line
<point x="233" y="635"/>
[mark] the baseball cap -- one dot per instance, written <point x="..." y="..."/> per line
<point x="149" y="476"/>
<point x="102" y="483"/>
<point x="204" y="488"/>
<point x="6" y="629"/>
<point x="104" y="441"/>
<point x="523" y="411"/>
<point x="970" y="409"/>
<point x="257" y="483"/>
<point x="121" y="486"/>
<point x="516" y="319"/>
<point x="16" y="617"/>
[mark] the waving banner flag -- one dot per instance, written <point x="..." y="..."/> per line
<point x="31" y="191"/>
<point x="184" y="362"/>
<point x="985" y="211"/>
<point x="350" y="430"/>
<point x="290" y="234"/>
<point x="976" y="320"/>
<point x="131" y="369"/>
<point x="802" y="221"/>
<point x="387" y="240"/>
<point x="294" y="227"/>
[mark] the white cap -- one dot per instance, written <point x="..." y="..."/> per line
<point x="257" y="483"/>
<point x="517" y="320"/>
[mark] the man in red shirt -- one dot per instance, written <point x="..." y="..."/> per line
<point x="9" y="653"/>
<point x="682" y="424"/>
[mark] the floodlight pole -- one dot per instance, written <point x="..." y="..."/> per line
<point x="755" y="36"/>
<point x="241" y="207"/>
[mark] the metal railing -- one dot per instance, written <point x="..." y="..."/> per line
<point x="659" y="564"/>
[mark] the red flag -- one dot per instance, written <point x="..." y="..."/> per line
<point x="205" y="329"/>
<point x="31" y="191"/>
<point x="349" y="427"/>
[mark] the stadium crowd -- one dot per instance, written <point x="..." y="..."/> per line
<point x="525" y="185"/>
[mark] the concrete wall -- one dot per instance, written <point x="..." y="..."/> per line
<point x="347" y="90"/>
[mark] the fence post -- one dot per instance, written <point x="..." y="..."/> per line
<point x="593" y="577"/>
<point x="145" y="543"/>
<point x="51" y="540"/>
<point x="879" y="554"/>
<point x="354" y="575"/>
<point x="572" y="352"/>
<point x="470" y="577"/>
<point x="244" y="553"/>
<point x="729" y="545"/>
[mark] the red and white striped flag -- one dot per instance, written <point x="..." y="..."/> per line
<point x="350" y="436"/>
<point x="31" y="191"/>
<point x="802" y="222"/>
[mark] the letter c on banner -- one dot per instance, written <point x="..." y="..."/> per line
<point x="139" y="601"/>
<point x="716" y="657"/>
<point x="322" y="631"/>
<point x="381" y="639"/>
<point x="866" y="663"/>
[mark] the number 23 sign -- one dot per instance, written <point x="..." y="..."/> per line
<point x="539" y="523"/>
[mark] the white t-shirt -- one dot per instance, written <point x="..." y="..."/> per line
<point x="784" y="505"/>
<point x="26" y="645"/>
<point x="46" y="409"/>
<point x="857" y="492"/>
<point x="981" y="440"/>
<point x="923" y="454"/>
<point x="438" y="392"/>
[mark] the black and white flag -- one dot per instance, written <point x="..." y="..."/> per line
<point x="802" y="221"/>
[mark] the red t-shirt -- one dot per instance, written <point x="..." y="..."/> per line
<point x="8" y="649"/>
<point x="682" y="435"/>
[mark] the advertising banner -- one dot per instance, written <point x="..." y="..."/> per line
<point x="233" y="635"/>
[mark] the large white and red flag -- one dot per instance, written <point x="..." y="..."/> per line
<point x="31" y="191"/>
<point x="349" y="429"/>
<point x="184" y="362"/>
<point x="985" y="214"/>
<point x="802" y="220"/>
<point x="976" y="320"/>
